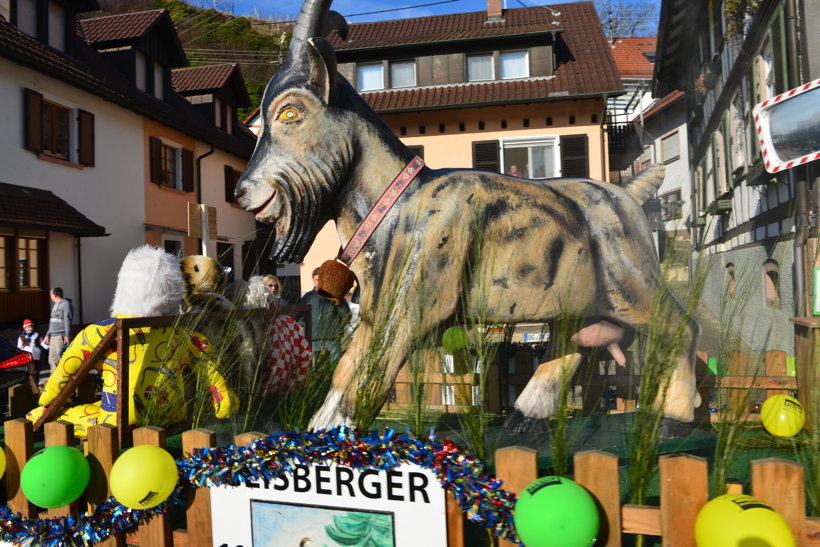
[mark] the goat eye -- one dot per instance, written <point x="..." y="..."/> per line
<point x="289" y="114"/>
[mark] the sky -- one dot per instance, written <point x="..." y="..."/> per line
<point x="287" y="9"/>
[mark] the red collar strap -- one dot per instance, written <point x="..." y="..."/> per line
<point x="380" y="209"/>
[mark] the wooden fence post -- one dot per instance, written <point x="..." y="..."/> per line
<point x="737" y="400"/>
<point x="775" y="363"/>
<point x="597" y="471"/>
<point x="684" y="485"/>
<point x="103" y="448"/>
<point x="517" y="466"/>
<point x="779" y="483"/>
<point x="19" y="448"/>
<point x="157" y="532"/>
<point x="200" y="524"/>
<point x="455" y="521"/>
<point x="248" y="437"/>
<point x="61" y="433"/>
<point x="21" y="400"/>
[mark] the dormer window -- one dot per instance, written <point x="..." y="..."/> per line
<point x="403" y="74"/>
<point x="48" y="27"/>
<point x="370" y="76"/>
<point x="480" y="67"/>
<point x="514" y="64"/>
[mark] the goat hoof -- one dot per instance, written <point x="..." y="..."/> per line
<point x="673" y="429"/>
<point x="519" y="423"/>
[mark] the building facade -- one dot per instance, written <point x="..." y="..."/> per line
<point x="727" y="57"/>
<point x="84" y="99"/>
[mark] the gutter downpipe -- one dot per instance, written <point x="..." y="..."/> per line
<point x="798" y="181"/>
<point x="79" y="280"/>
<point x="604" y="166"/>
<point x="199" y="184"/>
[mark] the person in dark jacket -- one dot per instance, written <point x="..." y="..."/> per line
<point x="328" y="321"/>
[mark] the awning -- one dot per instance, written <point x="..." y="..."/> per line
<point x="24" y="207"/>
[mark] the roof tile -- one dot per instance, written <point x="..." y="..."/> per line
<point x="630" y="58"/>
<point x="584" y="61"/>
<point x="119" y="27"/>
<point x="202" y="78"/>
<point x="35" y="208"/>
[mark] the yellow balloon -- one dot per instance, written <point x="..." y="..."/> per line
<point x="143" y="477"/>
<point x="2" y="461"/>
<point x="782" y="416"/>
<point x="736" y="520"/>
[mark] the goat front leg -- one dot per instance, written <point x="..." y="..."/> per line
<point x="539" y="399"/>
<point x="337" y="407"/>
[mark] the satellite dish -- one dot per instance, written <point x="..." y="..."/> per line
<point x="788" y="127"/>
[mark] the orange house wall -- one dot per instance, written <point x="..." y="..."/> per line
<point x="166" y="207"/>
<point x="453" y="148"/>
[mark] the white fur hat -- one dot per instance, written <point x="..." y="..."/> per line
<point x="149" y="284"/>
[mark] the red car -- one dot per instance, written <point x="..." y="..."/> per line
<point x="16" y="367"/>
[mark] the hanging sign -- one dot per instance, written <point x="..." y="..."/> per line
<point x="328" y="505"/>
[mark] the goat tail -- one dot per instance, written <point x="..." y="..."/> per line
<point x="645" y="184"/>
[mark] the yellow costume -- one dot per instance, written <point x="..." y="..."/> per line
<point x="159" y="360"/>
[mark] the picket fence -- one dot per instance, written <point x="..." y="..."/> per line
<point x="683" y="488"/>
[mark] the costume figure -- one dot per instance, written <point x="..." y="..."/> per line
<point x="159" y="358"/>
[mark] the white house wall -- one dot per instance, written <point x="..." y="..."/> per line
<point x="110" y="194"/>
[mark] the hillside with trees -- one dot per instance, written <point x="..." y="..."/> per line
<point x="211" y="36"/>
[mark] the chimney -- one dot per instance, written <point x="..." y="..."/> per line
<point x="494" y="11"/>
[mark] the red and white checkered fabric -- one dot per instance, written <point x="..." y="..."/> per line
<point x="289" y="356"/>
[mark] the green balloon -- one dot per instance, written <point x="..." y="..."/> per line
<point x="556" y="512"/>
<point x="454" y="339"/>
<point x="55" y="476"/>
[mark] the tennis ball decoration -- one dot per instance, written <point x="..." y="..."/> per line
<point x="454" y="339"/>
<point x="737" y="520"/>
<point x="556" y="512"/>
<point x="55" y="476"/>
<point x="143" y="477"/>
<point x="782" y="416"/>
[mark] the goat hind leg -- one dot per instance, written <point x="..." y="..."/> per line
<point x="540" y="397"/>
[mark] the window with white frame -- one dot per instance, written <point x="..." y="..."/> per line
<point x="533" y="157"/>
<point x="670" y="147"/>
<point x="448" y="394"/>
<point x="172" y="245"/>
<point x="370" y="76"/>
<point x="480" y="67"/>
<point x="672" y="205"/>
<point x="447" y="364"/>
<point x="514" y="64"/>
<point x="159" y="81"/>
<point x="403" y="74"/>
<point x="139" y="68"/>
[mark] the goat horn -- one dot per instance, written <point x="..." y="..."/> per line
<point x="308" y="24"/>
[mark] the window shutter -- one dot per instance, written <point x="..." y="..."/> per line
<point x="187" y="170"/>
<point x="86" y="130"/>
<point x="155" y="146"/>
<point x="230" y="184"/>
<point x="485" y="156"/>
<point x="574" y="156"/>
<point x="417" y="150"/>
<point x="34" y="118"/>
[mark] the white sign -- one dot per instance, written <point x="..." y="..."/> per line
<point x="330" y="505"/>
<point x="788" y="127"/>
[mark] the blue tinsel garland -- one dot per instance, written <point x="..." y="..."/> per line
<point x="479" y="495"/>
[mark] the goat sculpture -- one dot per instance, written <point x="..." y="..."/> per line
<point x="558" y="246"/>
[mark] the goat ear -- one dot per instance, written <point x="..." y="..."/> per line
<point x="322" y="61"/>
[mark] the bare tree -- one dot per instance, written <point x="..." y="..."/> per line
<point x="625" y="18"/>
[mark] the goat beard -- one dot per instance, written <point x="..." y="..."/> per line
<point x="296" y="228"/>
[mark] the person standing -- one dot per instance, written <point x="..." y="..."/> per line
<point x="327" y="321"/>
<point x="28" y="341"/>
<point x="59" y="327"/>
<point x="275" y="287"/>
